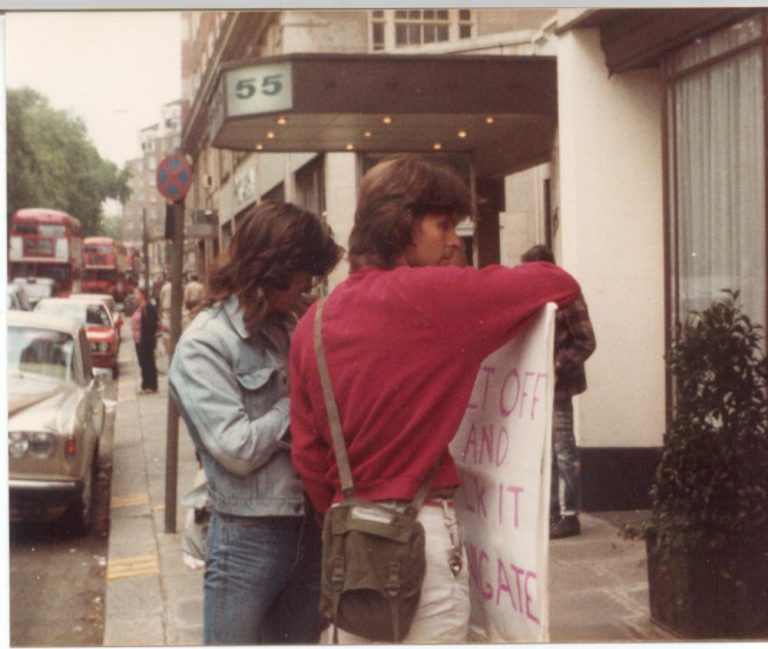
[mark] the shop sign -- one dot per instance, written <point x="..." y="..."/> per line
<point x="259" y="89"/>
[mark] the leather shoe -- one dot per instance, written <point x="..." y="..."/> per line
<point x="564" y="527"/>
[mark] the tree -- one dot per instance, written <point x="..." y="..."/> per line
<point x="52" y="163"/>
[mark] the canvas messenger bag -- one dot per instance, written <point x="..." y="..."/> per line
<point x="373" y="561"/>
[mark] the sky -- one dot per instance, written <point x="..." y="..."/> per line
<point x="113" y="69"/>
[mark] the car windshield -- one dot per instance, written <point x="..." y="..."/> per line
<point x="36" y="289"/>
<point x="90" y="314"/>
<point x="41" y="351"/>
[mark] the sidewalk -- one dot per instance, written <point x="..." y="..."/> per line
<point x="598" y="589"/>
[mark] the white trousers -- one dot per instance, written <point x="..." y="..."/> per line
<point x="443" y="613"/>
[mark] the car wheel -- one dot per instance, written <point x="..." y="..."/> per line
<point x="80" y="515"/>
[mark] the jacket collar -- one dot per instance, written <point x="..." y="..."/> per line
<point x="235" y="314"/>
<point x="232" y="308"/>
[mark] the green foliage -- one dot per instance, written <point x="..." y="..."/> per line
<point x="51" y="162"/>
<point x="112" y="227"/>
<point x="711" y="486"/>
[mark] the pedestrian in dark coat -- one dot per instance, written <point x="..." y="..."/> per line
<point x="144" y="328"/>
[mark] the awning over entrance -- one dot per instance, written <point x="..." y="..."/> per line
<point x="500" y="109"/>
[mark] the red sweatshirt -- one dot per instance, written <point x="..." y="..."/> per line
<point x="404" y="347"/>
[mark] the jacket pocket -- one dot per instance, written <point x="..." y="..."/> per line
<point x="257" y="391"/>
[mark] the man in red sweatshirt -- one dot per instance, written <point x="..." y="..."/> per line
<point x="405" y="335"/>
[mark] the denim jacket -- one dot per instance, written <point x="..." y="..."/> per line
<point x="231" y="390"/>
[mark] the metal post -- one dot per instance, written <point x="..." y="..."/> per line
<point x="145" y="245"/>
<point x="172" y="440"/>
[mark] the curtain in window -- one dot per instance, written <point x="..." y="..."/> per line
<point x="717" y="147"/>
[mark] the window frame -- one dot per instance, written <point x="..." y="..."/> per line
<point x="388" y="20"/>
<point x="669" y="78"/>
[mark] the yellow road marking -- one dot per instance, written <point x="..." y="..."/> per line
<point x="130" y="500"/>
<point x="132" y="567"/>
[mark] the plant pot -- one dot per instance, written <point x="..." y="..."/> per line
<point x="710" y="594"/>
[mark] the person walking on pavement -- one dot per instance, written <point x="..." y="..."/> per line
<point x="405" y="335"/>
<point x="193" y="296"/>
<point x="144" y="329"/>
<point x="229" y="378"/>
<point x="165" y="314"/>
<point x="574" y="344"/>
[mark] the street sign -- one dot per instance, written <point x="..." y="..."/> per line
<point x="174" y="177"/>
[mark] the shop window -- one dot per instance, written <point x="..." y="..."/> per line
<point x="717" y="169"/>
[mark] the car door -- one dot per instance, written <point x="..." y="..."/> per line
<point x="95" y="411"/>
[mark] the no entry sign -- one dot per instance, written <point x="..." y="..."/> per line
<point x="174" y="177"/>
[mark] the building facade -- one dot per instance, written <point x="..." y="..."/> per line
<point x="146" y="206"/>
<point x="633" y="141"/>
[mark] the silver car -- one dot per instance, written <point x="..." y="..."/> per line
<point x="56" y="416"/>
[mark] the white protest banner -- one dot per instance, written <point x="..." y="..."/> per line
<point x="503" y="449"/>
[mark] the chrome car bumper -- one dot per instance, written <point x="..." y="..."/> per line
<point x="41" y="500"/>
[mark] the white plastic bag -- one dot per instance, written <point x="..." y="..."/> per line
<point x="194" y="537"/>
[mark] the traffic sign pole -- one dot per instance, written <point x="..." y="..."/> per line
<point x="172" y="434"/>
<point x="174" y="178"/>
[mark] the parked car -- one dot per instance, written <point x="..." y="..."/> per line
<point x="100" y="329"/>
<point x="108" y="301"/>
<point x="36" y="288"/>
<point x="56" y="417"/>
<point x="17" y="298"/>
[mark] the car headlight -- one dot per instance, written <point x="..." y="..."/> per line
<point x="93" y="346"/>
<point x="39" y="445"/>
<point x="17" y="444"/>
<point x="103" y="347"/>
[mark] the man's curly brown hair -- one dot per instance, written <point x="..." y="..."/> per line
<point x="273" y="243"/>
<point x="393" y="197"/>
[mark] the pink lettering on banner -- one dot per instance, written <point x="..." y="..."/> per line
<point x="487" y="371"/>
<point x="515" y="392"/>
<point x="511" y="586"/>
<point x="477" y="559"/>
<point x="486" y="445"/>
<point x="474" y="495"/>
<point x="478" y="494"/>
<point x="515" y="491"/>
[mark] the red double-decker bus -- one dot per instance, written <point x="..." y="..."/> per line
<point x="45" y="242"/>
<point x="106" y="265"/>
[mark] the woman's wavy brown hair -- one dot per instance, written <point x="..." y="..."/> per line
<point x="273" y="243"/>
<point x="394" y="195"/>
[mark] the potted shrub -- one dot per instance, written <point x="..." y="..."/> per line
<point x="707" y="540"/>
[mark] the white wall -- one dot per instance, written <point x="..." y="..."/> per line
<point x="612" y="237"/>
<point x="522" y="222"/>
<point x="341" y="175"/>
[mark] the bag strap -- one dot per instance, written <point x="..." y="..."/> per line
<point x="339" y="449"/>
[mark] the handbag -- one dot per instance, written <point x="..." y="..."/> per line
<point x="373" y="559"/>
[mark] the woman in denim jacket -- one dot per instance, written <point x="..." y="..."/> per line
<point x="230" y="382"/>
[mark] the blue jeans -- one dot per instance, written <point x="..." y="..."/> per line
<point x="262" y="580"/>
<point x="565" y="494"/>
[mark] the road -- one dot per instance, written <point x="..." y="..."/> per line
<point x="57" y="580"/>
